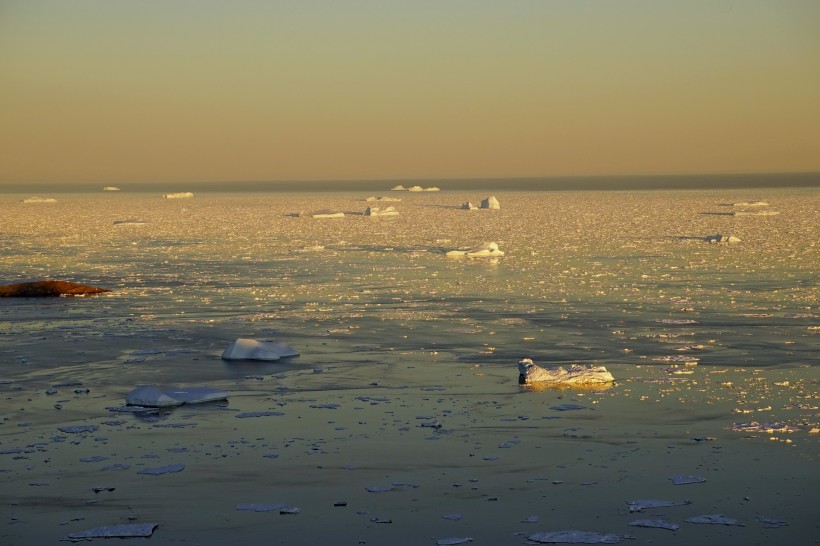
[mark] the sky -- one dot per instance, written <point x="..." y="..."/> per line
<point x="252" y="90"/>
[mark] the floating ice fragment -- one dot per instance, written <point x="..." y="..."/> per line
<point x="772" y="523"/>
<point x="484" y="250"/>
<point x="714" y="519"/>
<point x="77" y="429"/>
<point x="567" y="407"/>
<point x="38" y="199"/>
<point x="379" y="488"/>
<point x="768" y="427"/>
<point x="250" y="414"/>
<point x="642" y="504"/>
<point x="683" y="480"/>
<point x="114" y="531"/>
<point x="327" y="213"/>
<point x="530" y="519"/>
<point x="260" y="507"/>
<point x="655" y="523"/>
<point x="453" y="517"/>
<point x="253" y="349"/>
<point x="168" y="469"/>
<point x="675" y="321"/>
<point x="154" y="398"/>
<point x="577" y="374"/>
<point x="575" y="537"/>
<point x="468" y="206"/>
<point x="452" y="541"/>
<point x="94" y="459"/>
<point x="129" y="222"/>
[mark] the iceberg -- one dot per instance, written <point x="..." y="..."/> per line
<point x="469" y="206"/>
<point x="178" y="195"/>
<point x="253" y="349"/>
<point x="111" y="188"/>
<point x="484" y="250"/>
<point x="490" y="203"/>
<point x="576" y="374"/>
<point x="326" y="213"/>
<point x="129" y="222"/>
<point x="36" y="199"/>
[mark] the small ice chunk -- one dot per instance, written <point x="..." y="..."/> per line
<point x="567" y="407"/>
<point x="772" y="523"/>
<point x="261" y="507"/>
<point x="714" y="519"/>
<point x="379" y="488"/>
<point x="683" y="480"/>
<point x="655" y="523"/>
<point x="77" y="429"/>
<point x="114" y="531"/>
<point x="484" y="250"/>
<point x="452" y="517"/>
<point x="168" y="469"/>
<point x="452" y="541"/>
<point x="250" y="414"/>
<point x="575" y="537"/>
<point x="642" y="504"/>
<point x="254" y="349"/>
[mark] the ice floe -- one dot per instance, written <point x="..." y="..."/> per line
<point x="178" y="195"/>
<point x="376" y="211"/>
<point x="655" y="524"/>
<point x="125" y="530"/>
<point x="152" y="397"/>
<point x="714" y="519"/>
<point x="484" y="250"/>
<point x="575" y="537"/>
<point x="327" y="213"/>
<point x="37" y="199"/>
<point x="576" y="374"/>
<point x="254" y="349"/>
<point x="642" y="504"/>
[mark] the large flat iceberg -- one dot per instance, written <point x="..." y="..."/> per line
<point x="254" y="349"/>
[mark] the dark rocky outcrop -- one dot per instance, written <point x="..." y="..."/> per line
<point x="48" y="289"/>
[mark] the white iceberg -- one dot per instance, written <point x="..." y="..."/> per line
<point x="576" y="374"/>
<point x="484" y="250"/>
<point x="469" y="206"/>
<point x="153" y="397"/>
<point x="37" y="199"/>
<point x="382" y="198"/>
<point x="398" y="188"/>
<point x="178" y="195"/>
<point x="253" y="349"/>
<point x="111" y="188"/>
<point x="490" y="203"/>
<point x="415" y="188"/>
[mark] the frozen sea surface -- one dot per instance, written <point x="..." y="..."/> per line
<point x="700" y="337"/>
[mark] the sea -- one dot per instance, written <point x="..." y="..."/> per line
<point x="705" y="339"/>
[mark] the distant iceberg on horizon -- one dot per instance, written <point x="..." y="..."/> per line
<point x="111" y="188"/>
<point x="37" y="199"/>
<point x="178" y="195"/>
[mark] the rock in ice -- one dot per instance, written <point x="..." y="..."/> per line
<point x="490" y="203"/>
<point x="484" y="250"/>
<point x="576" y="374"/>
<point x="254" y="349"/>
<point x="154" y="398"/>
<point x="575" y="537"/>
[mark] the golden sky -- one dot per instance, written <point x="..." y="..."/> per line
<point x="201" y="90"/>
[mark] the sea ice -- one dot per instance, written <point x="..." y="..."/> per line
<point x="154" y="398"/>
<point x="641" y="504"/>
<point x="576" y="374"/>
<point x="254" y="349"/>
<point x="484" y="250"/>
<point x="114" y="531"/>
<point x="575" y="537"/>
<point x="167" y="469"/>
<point x="714" y="519"/>
<point x="326" y="213"/>
<point x="655" y="523"/>
<point x="684" y="480"/>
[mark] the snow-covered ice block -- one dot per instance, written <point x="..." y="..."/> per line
<point x="484" y="250"/>
<point x="254" y="349"/>
<point x="577" y="374"/>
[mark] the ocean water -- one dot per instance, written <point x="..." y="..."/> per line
<point x="700" y="337"/>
